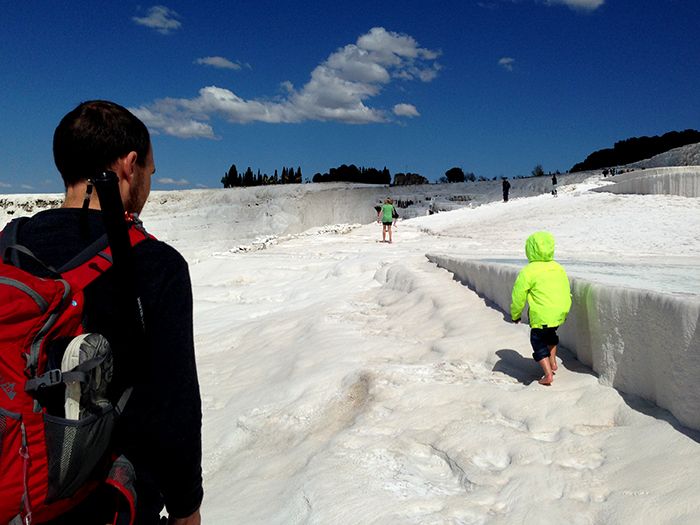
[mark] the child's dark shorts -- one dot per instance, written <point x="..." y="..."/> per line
<point x="541" y="339"/>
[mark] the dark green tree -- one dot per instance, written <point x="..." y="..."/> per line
<point x="455" y="175"/>
<point x="230" y="178"/>
<point x="248" y="177"/>
<point x="352" y="173"/>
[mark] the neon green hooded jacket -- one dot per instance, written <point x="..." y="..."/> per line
<point x="542" y="283"/>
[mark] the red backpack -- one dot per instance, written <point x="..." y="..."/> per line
<point x="49" y="463"/>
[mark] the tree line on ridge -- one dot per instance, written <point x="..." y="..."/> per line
<point x="637" y="148"/>
<point x="232" y="178"/>
<point x="623" y="152"/>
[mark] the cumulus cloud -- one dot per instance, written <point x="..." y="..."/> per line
<point x="161" y="18"/>
<point x="338" y="89"/>
<point x="506" y="63"/>
<point x="218" y="62"/>
<point x="406" y="110"/>
<point x="163" y="116"/>
<point x="168" y="180"/>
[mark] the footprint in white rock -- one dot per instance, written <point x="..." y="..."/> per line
<point x="547" y="437"/>
<point x="491" y="460"/>
<point x="580" y="458"/>
<point x="590" y="430"/>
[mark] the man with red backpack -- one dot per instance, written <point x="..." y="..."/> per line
<point x="159" y="429"/>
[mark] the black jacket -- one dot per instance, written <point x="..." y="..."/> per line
<point x="160" y="429"/>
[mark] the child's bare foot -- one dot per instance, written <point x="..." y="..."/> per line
<point x="548" y="376"/>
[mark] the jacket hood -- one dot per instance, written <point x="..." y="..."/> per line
<point x="540" y="247"/>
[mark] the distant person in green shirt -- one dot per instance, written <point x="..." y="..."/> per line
<point x="544" y="285"/>
<point x="387" y="215"/>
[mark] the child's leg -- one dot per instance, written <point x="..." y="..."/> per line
<point x="553" y="358"/>
<point x="552" y="342"/>
<point x="383" y="232"/>
<point x="389" y="228"/>
<point x="541" y="354"/>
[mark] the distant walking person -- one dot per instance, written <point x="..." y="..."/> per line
<point x="554" y="184"/>
<point x="506" y="189"/>
<point x="387" y="215"/>
<point x="544" y="285"/>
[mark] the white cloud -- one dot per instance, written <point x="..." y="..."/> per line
<point x="338" y="90"/>
<point x="5" y="185"/>
<point x="161" y="18"/>
<point x="577" y="5"/>
<point x="406" y="110"/>
<point x="163" y="116"/>
<point x="585" y="5"/>
<point x="506" y="63"/>
<point x="168" y="180"/>
<point x="218" y="62"/>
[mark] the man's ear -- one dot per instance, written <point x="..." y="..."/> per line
<point x="128" y="165"/>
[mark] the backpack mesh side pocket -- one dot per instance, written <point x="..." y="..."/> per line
<point x="77" y="451"/>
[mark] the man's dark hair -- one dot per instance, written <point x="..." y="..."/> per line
<point x="95" y="134"/>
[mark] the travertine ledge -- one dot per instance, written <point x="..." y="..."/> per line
<point x="640" y="342"/>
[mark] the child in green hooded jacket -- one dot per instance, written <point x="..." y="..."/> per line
<point x="544" y="285"/>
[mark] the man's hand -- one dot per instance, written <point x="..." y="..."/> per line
<point x="193" y="519"/>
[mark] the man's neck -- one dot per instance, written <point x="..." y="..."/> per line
<point x="75" y="196"/>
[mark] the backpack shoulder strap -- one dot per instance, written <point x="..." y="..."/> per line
<point x="85" y="255"/>
<point x="96" y="259"/>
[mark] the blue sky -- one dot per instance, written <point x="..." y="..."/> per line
<point x="492" y="86"/>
